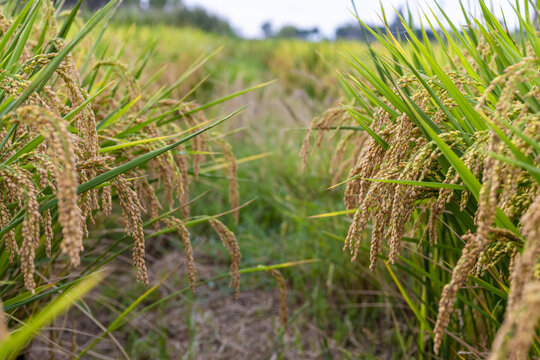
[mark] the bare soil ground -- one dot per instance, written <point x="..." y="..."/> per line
<point x="208" y="325"/>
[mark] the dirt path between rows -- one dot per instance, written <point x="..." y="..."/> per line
<point x="213" y="326"/>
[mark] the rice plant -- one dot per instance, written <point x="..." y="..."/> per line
<point x="81" y="140"/>
<point x="442" y="142"/>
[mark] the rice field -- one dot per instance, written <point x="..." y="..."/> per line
<point x="226" y="198"/>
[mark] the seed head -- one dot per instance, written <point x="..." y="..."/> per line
<point x="231" y="244"/>
<point x="183" y="233"/>
<point x="132" y="209"/>
<point x="464" y="265"/>
<point x="59" y="141"/>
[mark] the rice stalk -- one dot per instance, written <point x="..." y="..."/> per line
<point x="461" y="114"/>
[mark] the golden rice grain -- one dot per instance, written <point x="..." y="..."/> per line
<point x="9" y="239"/>
<point x="183" y="232"/>
<point x="462" y="268"/>
<point x="69" y="213"/>
<point x="21" y="189"/>
<point x="525" y="263"/>
<point x="231" y="244"/>
<point x="132" y="209"/>
<point x="334" y="116"/>
<point x="515" y="336"/>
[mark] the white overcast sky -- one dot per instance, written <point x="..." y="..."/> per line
<point x="246" y="16"/>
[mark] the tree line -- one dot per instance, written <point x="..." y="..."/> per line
<point x="174" y="12"/>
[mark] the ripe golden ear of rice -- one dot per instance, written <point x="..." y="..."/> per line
<point x="52" y="145"/>
<point x="401" y="153"/>
<point x="183" y="233"/>
<point x="231" y="244"/>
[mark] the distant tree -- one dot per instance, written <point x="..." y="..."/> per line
<point x="172" y="4"/>
<point x="90" y="4"/>
<point x="155" y="4"/>
<point x="172" y="12"/>
<point x="352" y="32"/>
<point x="396" y="28"/>
<point x="311" y="34"/>
<point x="287" y="32"/>
<point x="267" y="30"/>
<point x="290" y="31"/>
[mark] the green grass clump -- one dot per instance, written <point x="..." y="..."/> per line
<point x="449" y="176"/>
